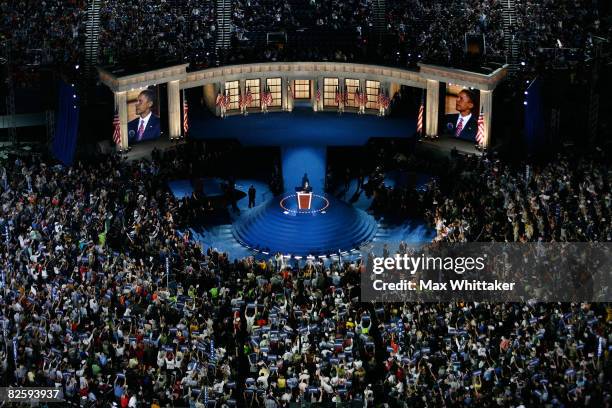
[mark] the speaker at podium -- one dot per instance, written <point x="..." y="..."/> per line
<point x="304" y="194"/>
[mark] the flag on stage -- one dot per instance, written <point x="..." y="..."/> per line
<point x="338" y="96"/>
<point x="185" y="116"/>
<point x="219" y="100"/>
<point x="420" y="118"/>
<point x="268" y="96"/>
<point x="249" y="97"/>
<point x="318" y="95"/>
<point x="117" y="129"/>
<point x="357" y="97"/>
<point x="241" y="99"/>
<point x="480" y="135"/>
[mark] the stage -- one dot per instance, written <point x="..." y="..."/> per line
<point x="257" y="231"/>
<point x="301" y="127"/>
<point x="330" y="226"/>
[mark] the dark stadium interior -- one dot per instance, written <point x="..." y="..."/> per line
<point x="193" y="192"/>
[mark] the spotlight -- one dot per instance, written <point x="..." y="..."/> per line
<point x="523" y="63"/>
<point x="525" y="103"/>
<point x="77" y="66"/>
<point x="74" y="96"/>
<point x="526" y="93"/>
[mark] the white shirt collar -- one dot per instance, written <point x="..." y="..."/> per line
<point x="465" y="119"/>
<point x="145" y="120"/>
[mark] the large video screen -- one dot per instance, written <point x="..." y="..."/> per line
<point x="143" y="115"/>
<point x="462" y="106"/>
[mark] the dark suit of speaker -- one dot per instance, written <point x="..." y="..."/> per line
<point x="469" y="129"/>
<point x="152" y="130"/>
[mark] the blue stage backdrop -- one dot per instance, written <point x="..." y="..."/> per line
<point x="298" y="160"/>
<point x="535" y="131"/>
<point x="67" y="124"/>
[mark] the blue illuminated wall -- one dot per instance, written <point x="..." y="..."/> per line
<point x="302" y="159"/>
<point x="66" y="124"/>
<point x="535" y="131"/>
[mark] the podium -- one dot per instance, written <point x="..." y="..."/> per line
<point x="304" y="200"/>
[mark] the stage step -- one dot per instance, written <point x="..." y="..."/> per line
<point x="269" y="229"/>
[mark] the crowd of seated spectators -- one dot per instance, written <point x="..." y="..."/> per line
<point x="186" y="30"/>
<point x="50" y="32"/>
<point x="138" y="32"/>
<point x="549" y="24"/>
<point x="436" y="30"/>
<point x="106" y="296"/>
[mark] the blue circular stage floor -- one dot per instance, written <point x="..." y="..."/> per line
<point x="279" y="226"/>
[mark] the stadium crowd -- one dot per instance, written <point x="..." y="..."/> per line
<point x="133" y="31"/>
<point x="105" y="295"/>
<point x="436" y="30"/>
<point x="557" y="24"/>
<point x="433" y="31"/>
<point x="51" y="32"/>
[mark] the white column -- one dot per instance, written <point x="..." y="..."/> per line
<point x="431" y="107"/>
<point x="262" y="89"/>
<point x="221" y="88"/>
<point x="121" y="104"/>
<point x="313" y="94"/>
<point x="242" y="87"/>
<point x="284" y="104"/>
<point x="321" y="84"/>
<point x="290" y="100"/>
<point x="174" y="110"/>
<point x="486" y="104"/>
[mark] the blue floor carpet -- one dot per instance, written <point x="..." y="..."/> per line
<point x="274" y="228"/>
<point x="221" y="237"/>
<point x="301" y="127"/>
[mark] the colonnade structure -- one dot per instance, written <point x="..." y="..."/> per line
<point x="294" y="83"/>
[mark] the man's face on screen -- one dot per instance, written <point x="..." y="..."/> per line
<point x="143" y="105"/>
<point x="464" y="103"/>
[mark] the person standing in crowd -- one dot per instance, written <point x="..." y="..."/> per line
<point x="252" y="193"/>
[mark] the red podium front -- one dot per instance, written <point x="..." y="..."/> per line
<point x="304" y="200"/>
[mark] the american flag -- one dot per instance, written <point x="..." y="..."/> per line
<point x="357" y="97"/>
<point x="338" y="96"/>
<point x="241" y="99"/>
<point x="420" y="118"/>
<point x="117" y="129"/>
<point x="318" y="95"/>
<point x="219" y="100"/>
<point x="266" y="97"/>
<point x="249" y="97"/>
<point x="185" y="116"/>
<point x="480" y="135"/>
<point x="384" y="100"/>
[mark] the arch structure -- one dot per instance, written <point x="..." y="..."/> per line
<point x="294" y="83"/>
